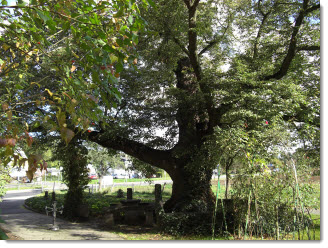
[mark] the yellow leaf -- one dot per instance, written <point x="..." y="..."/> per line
<point x="61" y="117"/>
<point x="5" y="47"/>
<point x="75" y="55"/>
<point x="57" y="98"/>
<point x="12" y="53"/>
<point x="73" y="68"/>
<point x="66" y="134"/>
<point x="36" y="84"/>
<point x="49" y="92"/>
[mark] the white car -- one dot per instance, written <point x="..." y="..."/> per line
<point x="120" y="176"/>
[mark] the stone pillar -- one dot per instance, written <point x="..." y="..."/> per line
<point x="53" y="196"/>
<point x="158" y="200"/>
<point x="158" y="193"/>
<point x="129" y="194"/>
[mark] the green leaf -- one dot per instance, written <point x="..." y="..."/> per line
<point x="44" y="16"/>
<point x="119" y="67"/>
<point x="120" y="13"/>
<point x="130" y="19"/>
<point x="151" y="3"/>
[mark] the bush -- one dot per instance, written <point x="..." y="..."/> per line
<point x="120" y="193"/>
<point x="199" y="223"/>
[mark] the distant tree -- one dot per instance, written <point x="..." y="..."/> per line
<point x="102" y="159"/>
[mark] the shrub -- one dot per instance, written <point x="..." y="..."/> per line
<point x="120" y="193"/>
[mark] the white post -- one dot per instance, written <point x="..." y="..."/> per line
<point x="41" y="184"/>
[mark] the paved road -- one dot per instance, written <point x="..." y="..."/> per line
<point x="29" y="225"/>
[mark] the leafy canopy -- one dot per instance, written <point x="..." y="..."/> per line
<point x="57" y="59"/>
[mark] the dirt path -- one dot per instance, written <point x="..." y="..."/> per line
<point x="24" y="224"/>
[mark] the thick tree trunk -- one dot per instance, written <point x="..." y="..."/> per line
<point x="191" y="190"/>
<point x="75" y="175"/>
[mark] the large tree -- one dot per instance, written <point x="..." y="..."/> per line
<point x="210" y="64"/>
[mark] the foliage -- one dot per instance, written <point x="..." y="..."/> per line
<point x="277" y="203"/>
<point x="4" y="179"/>
<point x="57" y="59"/>
<point x="146" y="170"/>
<point x="103" y="159"/>
<point x="120" y="193"/>
<point x="176" y="223"/>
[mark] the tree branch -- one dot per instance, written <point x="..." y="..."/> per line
<point x="177" y="41"/>
<point x="308" y="48"/>
<point x="265" y="16"/>
<point x="292" y="46"/>
<point x="313" y="8"/>
<point x="192" y="37"/>
<point x="213" y="42"/>
<point x="158" y="158"/>
<point x="187" y="2"/>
